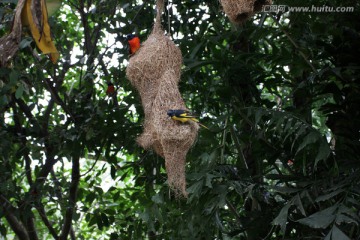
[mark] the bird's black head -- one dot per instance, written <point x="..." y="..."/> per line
<point x="110" y="84"/>
<point x="170" y="113"/>
<point x="130" y="36"/>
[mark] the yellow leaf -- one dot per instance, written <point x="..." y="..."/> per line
<point x="51" y="6"/>
<point x="42" y="38"/>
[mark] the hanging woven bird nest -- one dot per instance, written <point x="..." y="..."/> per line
<point x="155" y="72"/>
<point x="239" y="11"/>
<point x="157" y="54"/>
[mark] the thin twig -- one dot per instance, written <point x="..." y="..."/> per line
<point x="97" y="156"/>
<point x="141" y="7"/>
<point x="58" y="100"/>
<point x="223" y="143"/>
<point x="294" y="43"/>
<point x="233" y="210"/>
<point x="239" y="148"/>
<point x="168" y="8"/>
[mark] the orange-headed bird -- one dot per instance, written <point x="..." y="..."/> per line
<point x="134" y="43"/>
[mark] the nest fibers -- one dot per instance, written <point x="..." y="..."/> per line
<point x="239" y="11"/>
<point x="155" y="71"/>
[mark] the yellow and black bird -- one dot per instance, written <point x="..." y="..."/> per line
<point x="183" y="116"/>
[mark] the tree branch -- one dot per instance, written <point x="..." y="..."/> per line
<point x="294" y="44"/>
<point x="25" y="109"/>
<point x="57" y="99"/>
<point x="83" y="17"/>
<point x="60" y="197"/>
<point x="75" y="178"/>
<point x="29" y="220"/>
<point x="47" y="114"/>
<point x="30" y="226"/>
<point x="233" y="210"/>
<point x="41" y="178"/>
<point x="41" y="211"/>
<point x="28" y="168"/>
<point x="9" y="213"/>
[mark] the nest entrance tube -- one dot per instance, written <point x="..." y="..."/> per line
<point x="155" y="71"/>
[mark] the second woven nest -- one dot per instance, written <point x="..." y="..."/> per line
<point x="238" y="11"/>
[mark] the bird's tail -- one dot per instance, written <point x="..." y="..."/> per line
<point x="197" y="121"/>
<point x="202" y="125"/>
<point x="114" y="98"/>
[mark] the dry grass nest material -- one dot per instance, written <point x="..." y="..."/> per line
<point x="239" y="11"/>
<point x="155" y="72"/>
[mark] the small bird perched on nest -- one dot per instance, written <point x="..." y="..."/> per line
<point x="183" y="116"/>
<point x="134" y="43"/>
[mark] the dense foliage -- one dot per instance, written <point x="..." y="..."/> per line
<point x="280" y="94"/>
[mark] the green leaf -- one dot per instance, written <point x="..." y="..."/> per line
<point x="90" y="197"/>
<point x="337" y="234"/>
<point x="282" y="217"/>
<point x="195" y="189"/>
<point x="195" y="50"/>
<point x="328" y="236"/>
<point x="290" y="130"/>
<point x="312" y="137"/>
<point x="329" y="195"/>
<point x="213" y="157"/>
<point x="208" y="180"/>
<point x="297" y="201"/>
<point x="90" y="134"/>
<point x="123" y="177"/>
<point x="158" y="199"/>
<point x="258" y="114"/>
<point x="114" y="236"/>
<point x="19" y="91"/>
<point x="348" y="215"/>
<point x="3" y="230"/>
<point x="105" y="219"/>
<point x="285" y="189"/>
<point x="25" y="42"/>
<point x="14" y="76"/>
<point x="282" y="178"/>
<point x="321" y="219"/>
<point x="342" y="218"/>
<point x="99" y="222"/>
<point x="323" y="152"/>
<point x="113" y="171"/>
